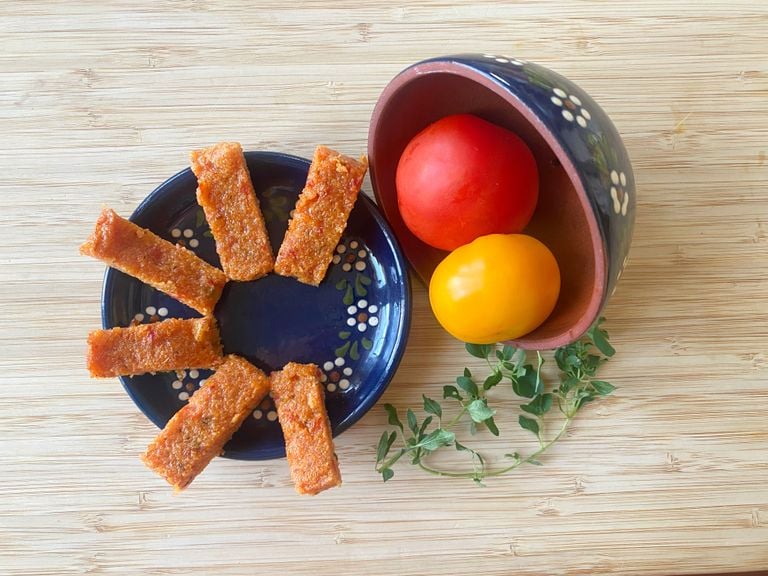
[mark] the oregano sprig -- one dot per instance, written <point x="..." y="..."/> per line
<point x="578" y="364"/>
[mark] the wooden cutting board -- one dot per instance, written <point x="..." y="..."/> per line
<point x="101" y="101"/>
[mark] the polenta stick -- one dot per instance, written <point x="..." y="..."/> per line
<point x="168" y="267"/>
<point x="321" y="214"/>
<point x="172" y="344"/>
<point x="197" y="433"/>
<point x="225" y="192"/>
<point x="300" y="402"/>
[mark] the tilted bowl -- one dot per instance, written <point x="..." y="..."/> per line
<point x="586" y="208"/>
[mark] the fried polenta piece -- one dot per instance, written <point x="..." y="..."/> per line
<point x="225" y="192"/>
<point x="320" y="217"/>
<point x="172" y="344"/>
<point x="198" y="432"/>
<point x="300" y="402"/>
<point x="168" y="267"/>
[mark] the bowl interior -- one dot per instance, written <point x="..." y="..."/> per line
<point x="563" y="219"/>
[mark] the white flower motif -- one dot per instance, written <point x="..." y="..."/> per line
<point x="572" y="110"/>
<point x="504" y="59"/>
<point x="185" y="384"/>
<point x="619" y="194"/>
<point x="335" y="378"/>
<point x="188" y="237"/>
<point x="351" y="256"/>
<point x="265" y="409"/>
<point x="362" y="315"/>
<point x="151" y="314"/>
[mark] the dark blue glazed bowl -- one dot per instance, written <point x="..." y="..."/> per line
<point x="586" y="208"/>
<point x="354" y="326"/>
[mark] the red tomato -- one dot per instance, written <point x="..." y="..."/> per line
<point x="461" y="178"/>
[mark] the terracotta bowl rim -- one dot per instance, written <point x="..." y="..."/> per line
<point x="416" y="72"/>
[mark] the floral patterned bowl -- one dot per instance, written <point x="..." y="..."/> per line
<point x="586" y="208"/>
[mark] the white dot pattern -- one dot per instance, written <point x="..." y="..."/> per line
<point x="358" y="253"/>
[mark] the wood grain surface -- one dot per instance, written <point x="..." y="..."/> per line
<point x="101" y="101"/>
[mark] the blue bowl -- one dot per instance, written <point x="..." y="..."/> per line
<point x="354" y="325"/>
<point x="586" y="208"/>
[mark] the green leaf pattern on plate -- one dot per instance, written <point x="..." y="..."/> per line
<point x="361" y="316"/>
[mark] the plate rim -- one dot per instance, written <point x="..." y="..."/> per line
<point x="402" y="331"/>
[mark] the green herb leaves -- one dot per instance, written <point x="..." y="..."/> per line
<point x="417" y="442"/>
<point x="478" y="410"/>
<point x="480" y="350"/>
<point x="468" y="404"/>
<point x="529" y="424"/>
<point x="540" y="405"/>
<point x="432" y="407"/>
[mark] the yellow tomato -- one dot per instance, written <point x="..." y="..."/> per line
<point x="498" y="287"/>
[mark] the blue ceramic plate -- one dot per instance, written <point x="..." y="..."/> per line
<point x="354" y="325"/>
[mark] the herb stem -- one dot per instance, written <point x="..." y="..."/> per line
<point x="391" y="461"/>
<point x="499" y="471"/>
<point x="578" y="363"/>
<point x="456" y="419"/>
<point x="449" y="473"/>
